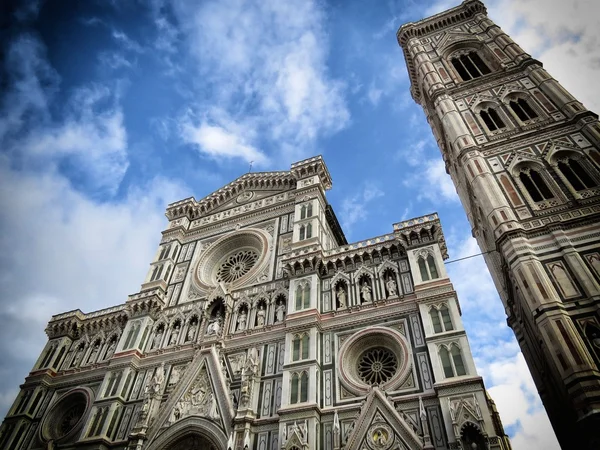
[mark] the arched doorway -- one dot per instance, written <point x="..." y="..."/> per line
<point x="471" y="437"/>
<point x="192" y="441"/>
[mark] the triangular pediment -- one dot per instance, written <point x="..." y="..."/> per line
<point x="201" y="392"/>
<point x="380" y="425"/>
<point x="453" y="36"/>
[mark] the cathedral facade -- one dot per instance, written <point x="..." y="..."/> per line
<point x="524" y="155"/>
<point x="259" y="327"/>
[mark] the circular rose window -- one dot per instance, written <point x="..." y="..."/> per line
<point x="374" y="356"/>
<point x="236" y="266"/>
<point x="67" y="415"/>
<point x="377" y="365"/>
<point x="236" y="259"/>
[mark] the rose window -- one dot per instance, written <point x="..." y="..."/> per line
<point x="236" y="266"/>
<point x="71" y="418"/>
<point x="377" y="365"/>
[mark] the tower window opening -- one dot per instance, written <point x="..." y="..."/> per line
<point x="576" y="174"/>
<point x="492" y="119"/>
<point x="522" y="109"/>
<point x="535" y="185"/>
<point x="470" y="66"/>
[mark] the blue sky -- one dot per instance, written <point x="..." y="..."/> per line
<point x="111" y="110"/>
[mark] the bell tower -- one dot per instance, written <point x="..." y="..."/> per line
<point x="524" y="155"/>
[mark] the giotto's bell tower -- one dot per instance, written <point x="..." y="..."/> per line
<point x="524" y="156"/>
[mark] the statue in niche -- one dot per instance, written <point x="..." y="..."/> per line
<point x="391" y="286"/>
<point x="242" y="318"/>
<point x="191" y="332"/>
<point x="341" y="297"/>
<point x="111" y="348"/>
<point x="78" y="356"/>
<point x="175" y="375"/>
<point x="94" y="352"/>
<point x="365" y="290"/>
<point x="215" y="326"/>
<point x="157" y="338"/>
<point x="280" y="312"/>
<point x="174" y="335"/>
<point x="260" y="316"/>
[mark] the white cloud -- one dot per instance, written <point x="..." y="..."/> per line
<point x="354" y="208"/>
<point x="217" y="142"/>
<point x="60" y="251"/>
<point x="267" y="62"/>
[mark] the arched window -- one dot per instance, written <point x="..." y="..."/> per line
<point x="303" y="212"/>
<point x="452" y="361"/>
<point x="302" y="296"/>
<point x="304" y="387"/>
<point x="492" y="119"/>
<point x="446" y="363"/>
<point x="309" y="211"/>
<point x="308" y="230"/>
<point x="457" y="359"/>
<point x="435" y="320"/>
<point x="49" y="355"/>
<point x="16" y="440"/>
<point x="440" y="319"/>
<point x="446" y="318"/>
<point x="35" y="402"/>
<point x="471" y="438"/>
<point x="535" y="185"/>
<point x="302" y="233"/>
<point x="431" y="265"/>
<point x="59" y="357"/>
<point x="576" y="174"/>
<point x="300" y="347"/>
<point x="294" y="388"/>
<point x="470" y="66"/>
<point x="113" y="421"/>
<point x="167" y="273"/>
<point x="522" y="109"/>
<point x="423" y="270"/>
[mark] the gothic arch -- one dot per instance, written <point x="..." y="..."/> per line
<point x="190" y="427"/>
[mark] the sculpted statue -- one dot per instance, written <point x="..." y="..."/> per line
<point x="366" y="292"/>
<point x="111" y="349"/>
<point x="215" y="326"/>
<point x="191" y="333"/>
<point x="157" y="338"/>
<point x="158" y="379"/>
<point x="242" y="318"/>
<point x="260" y="316"/>
<point x="94" y="352"/>
<point x="175" y="375"/>
<point x="174" y="335"/>
<point x="341" y="296"/>
<point x="78" y="356"/>
<point x="392" y="287"/>
<point x="237" y="363"/>
<point x="280" y="312"/>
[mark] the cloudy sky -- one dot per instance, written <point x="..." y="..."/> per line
<point x="111" y="110"/>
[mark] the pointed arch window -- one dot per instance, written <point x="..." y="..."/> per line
<point x="535" y="185"/>
<point x="303" y="212"/>
<point x="300" y="347"/>
<point x="452" y="361"/>
<point x="427" y="267"/>
<point x="302" y="233"/>
<point x="575" y="174"/>
<point x="302" y="296"/>
<point x="308" y="230"/>
<point x="522" y="109"/>
<point x="492" y="119"/>
<point x="470" y="66"/>
<point x="440" y="319"/>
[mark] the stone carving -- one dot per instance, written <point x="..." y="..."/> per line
<point x="252" y="361"/>
<point x="365" y="290"/>
<point x="341" y="297"/>
<point x="111" y="348"/>
<point x="215" y="326"/>
<point x="279" y="312"/>
<point x="78" y="356"/>
<point x="237" y="362"/>
<point x="174" y="335"/>
<point x="392" y="287"/>
<point x="157" y="380"/>
<point x="191" y="332"/>
<point x="94" y="352"/>
<point x="157" y="338"/>
<point x="176" y="375"/>
<point x="242" y="319"/>
<point x="198" y="400"/>
<point x="260" y="316"/>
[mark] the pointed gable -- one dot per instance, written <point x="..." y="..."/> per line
<point x="379" y="423"/>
